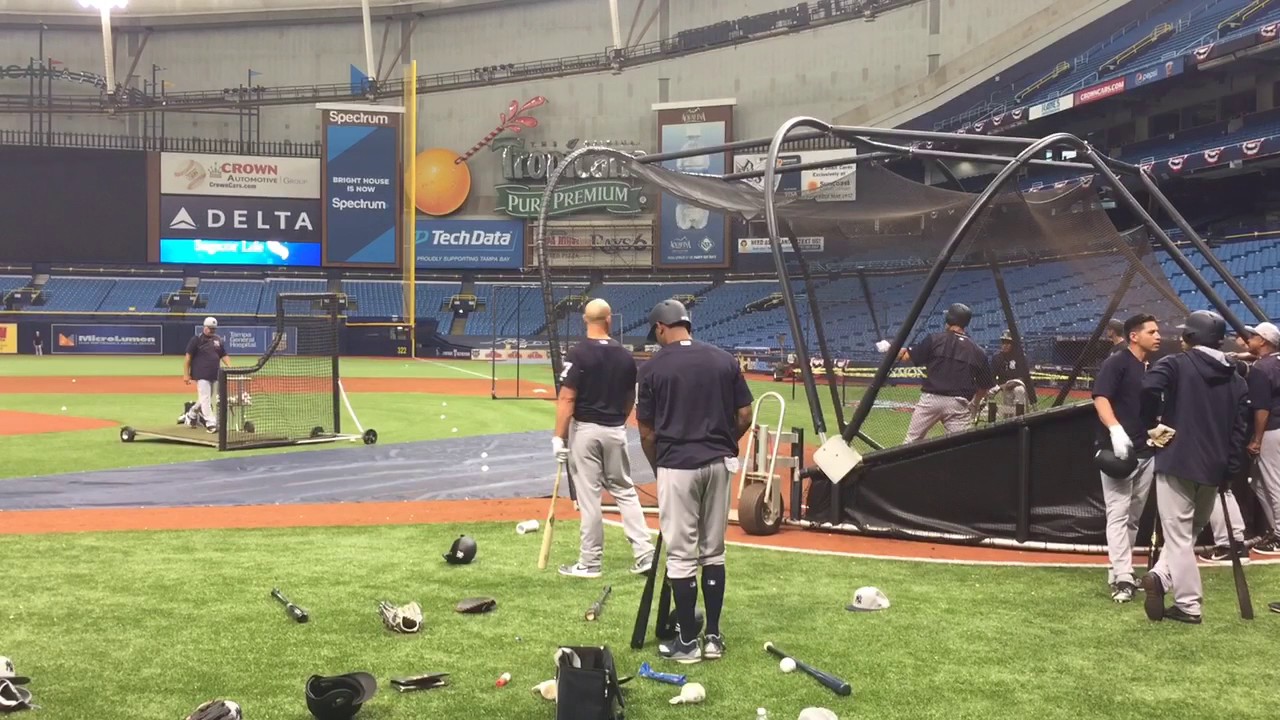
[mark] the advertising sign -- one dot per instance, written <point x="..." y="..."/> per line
<point x="107" y="339"/>
<point x="254" y="339"/>
<point x="1101" y="91"/>
<point x="198" y="251"/>
<point x="239" y="176"/>
<point x="233" y="218"/>
<point x="1155" y="73"/>
<point x="590" y="183"/>
<point x="602" y="245"/>
<point x="838" y="183"/>
<point x="690" y="236"/>
<point x="8" y="338"/>
<point x="361" y="184"/>
<point x="1049" y="107"/>
<point x="469" y="244"/>
<point x="756" y="246"/>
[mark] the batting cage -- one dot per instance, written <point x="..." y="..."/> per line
<point x="293" y="394"/>
<point x="1045" y="243"/>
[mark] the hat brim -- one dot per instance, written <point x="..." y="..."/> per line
<point x="855" y="608"/>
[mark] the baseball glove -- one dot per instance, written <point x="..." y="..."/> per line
<point x="14" y="697"/>
<point x="476" y="605"/>
<point x="428" y="681"/>
<point x="216" y="710"/>
<point x="402" y="619"/>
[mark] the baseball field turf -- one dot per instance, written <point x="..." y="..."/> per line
<point x="148" y="624"/>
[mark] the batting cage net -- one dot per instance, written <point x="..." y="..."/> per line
<point x="291" y="394"/>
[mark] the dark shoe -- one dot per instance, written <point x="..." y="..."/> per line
<point x="1122" y="592"/>
<point x="1269" y="546"/>
<point x="681" y="652"/>
<point x="1154" y="602"/>
<point x="1176" y="613"/>
<point x="1217" y="556"/>
<point x="1274" y="607"/>
<point x="713" y="647"/>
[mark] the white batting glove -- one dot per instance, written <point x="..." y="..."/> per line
<point x="1121" y="445"/>
<point x="883" y="346"/>
<point x="560" y="450"/>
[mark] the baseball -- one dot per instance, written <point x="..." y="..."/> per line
<point x="73" y="379"/>
<point x="441" y="417"/>
<point x="787" y="665"/>
<point x="484" y="468"/>
<point x="444" y="404"/>
<point x="64" y="408"/>
<point x="454" y="430"/>
<point x="484" y="455"/>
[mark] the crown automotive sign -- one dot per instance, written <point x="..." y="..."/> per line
<point x="239" y="176"/>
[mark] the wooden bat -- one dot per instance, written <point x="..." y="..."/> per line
<point x="646" y="598"/>
<point x="597" y="607"/>
<point x="1242" y="586"/>
<point x="1157" y="532"/>
<point x="664" y="626"/>
<point x="290" y="609"/>
<point x="548" y="531"/>
<point x="833" y="683"/>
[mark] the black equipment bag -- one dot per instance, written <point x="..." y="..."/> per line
<point x="589" y="692"/>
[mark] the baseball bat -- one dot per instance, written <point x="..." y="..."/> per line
<point x="597" y="607"/>
<point x="549" y="530"/>
<point x="664" y="622"/>
<point x="1237" y="569"/>
<point x="290" y="609"/>
<point x="1157" y="531"/>
<point x="646" y="598"/>
<point x="832" y="683"/>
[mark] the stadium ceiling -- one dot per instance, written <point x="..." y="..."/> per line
<point x="176" y="14"/>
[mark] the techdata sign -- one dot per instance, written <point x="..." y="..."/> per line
<point x="236" y="218"/>
<point x="254" y="339"/>
<point x="107" y="339"/>
<point x="201" y="251"/>
<point x="239" y="176"/>
<point x="361" y="184"/>
<point x="469" y="244"/>
<point x="690" y="236"/>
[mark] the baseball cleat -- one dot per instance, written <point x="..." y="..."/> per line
<point x="579" y="570"/>
<point x="680" y="651"/>
<point x="713" y="647"/>
<point x="1123" y="592"/>
<point x="1269" y="546"/>
<point x="1221" y="555"/>
<point x="643" y="564"/>
<point x="1154" y="602"/>
<point x="1176" y="613"/>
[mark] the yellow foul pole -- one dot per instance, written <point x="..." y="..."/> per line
<point x="410" y="213"/>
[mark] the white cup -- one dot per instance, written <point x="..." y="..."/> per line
<point x="527" y="527"/>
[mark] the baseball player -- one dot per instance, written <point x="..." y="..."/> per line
<point x="597" y="393"/>
<point x="1117" y="397"/>
<point x="1115" y="335"/>
<point x="38" y="343"/>
<point x="1008" y="367"/>
<point x="693" y="407"/>
<point x="201" y="364"/>
<point x="957" y="376"/>
<point x="1264" y="396"/>
<point x="1237" y="352"/>
<point x="1197" y="410"/>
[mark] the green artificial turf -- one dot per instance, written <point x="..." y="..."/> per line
<point x="147" y="625"/>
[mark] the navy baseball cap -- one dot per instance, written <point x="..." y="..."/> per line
<point x="667" y="312"/>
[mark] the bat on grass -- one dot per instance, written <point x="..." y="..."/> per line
<point x="290" y="609"/>
<point x="1242" y="586"/>
<point x="548" y="531"/>
<point x="832" y="683"/>
<point x="597" y="607"/>
<point x="646" y="598"/>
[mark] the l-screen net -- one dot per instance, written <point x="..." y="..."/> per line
<point x="291" y="393"/>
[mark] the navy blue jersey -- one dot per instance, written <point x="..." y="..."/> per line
<point x="955" y="366"/>
<point x="690" y="392"/>
<point x="1119" y="380"/>
<point x="603" y="374"/>
<point x="1264" y="388"/>
<point x="205" y="352"/>
<point x="1200" y="395"/>
<point x="1007" y="366"/>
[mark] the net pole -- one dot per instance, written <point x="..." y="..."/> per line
<point x="1012" y="324"/>
<point x="337" y="387"/>
<point x="871" y="307"/>
<point x="519" y="335"/>
<point x="493" y="341"/>
<point x="1116" y="297"/>
<point x="815" y="318"/>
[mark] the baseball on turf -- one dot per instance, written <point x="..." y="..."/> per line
<point x="64" y="408"/>
<point x="787" y="665"/>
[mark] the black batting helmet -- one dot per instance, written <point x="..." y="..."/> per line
<point x="462" y="551"/>
<point x="668" y="312"/>
<point x="959" y="315"/>
<point x="1204" y="328"/>
<point x="339" y="697"/>
<point x="1113" y="466"/>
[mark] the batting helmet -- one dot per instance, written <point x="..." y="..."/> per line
<point x="1113" y="466"/>
<point x="339" y="697"/>
<point x="462" y="551"/>
<point x="668" y="312"/>
<point x="1204" y="328"/>
<point x="959" y="315"/>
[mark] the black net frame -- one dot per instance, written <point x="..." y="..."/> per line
<point x="291" y="395"/>
<point x="501" y="299"/>
<point x="1012" y="155"/>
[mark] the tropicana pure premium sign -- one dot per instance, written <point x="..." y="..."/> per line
<point x="589" y="183"/>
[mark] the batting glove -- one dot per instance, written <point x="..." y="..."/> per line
<point x="561" y="451"/>
<point x="883" y="346"/>
<point x="1121" y="445"/>
<point x="1160" y="435"/>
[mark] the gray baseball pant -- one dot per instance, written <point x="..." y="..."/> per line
<point x="1267" y="484"/>
<point x="953" y="412"/>
<point x="1008" y="400"/>
<point x="1124" y="500"/>
<point x="693" y="513"/>
<point x="599" y="461"/>
<point x="1184" y="508"/>
<point x="1218" y="524"/>
<point x="204" y="401"/>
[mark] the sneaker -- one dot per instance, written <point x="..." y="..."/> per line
<point x="1176" y="613"/>
<point x="182" y="419"/>
<point x="1123" y="592"/>
<point x="713" y="647"/>
<point x="1154" y="602"/>
<point x="1269" y="546"/>
<point x="211" y="428"/>
<point x="643" y="564"/>
<point x="680" y="651"/>
<point x="1217" y="556"/>
<point x="1274" y="607"/>
<point x="579" y="570"/>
